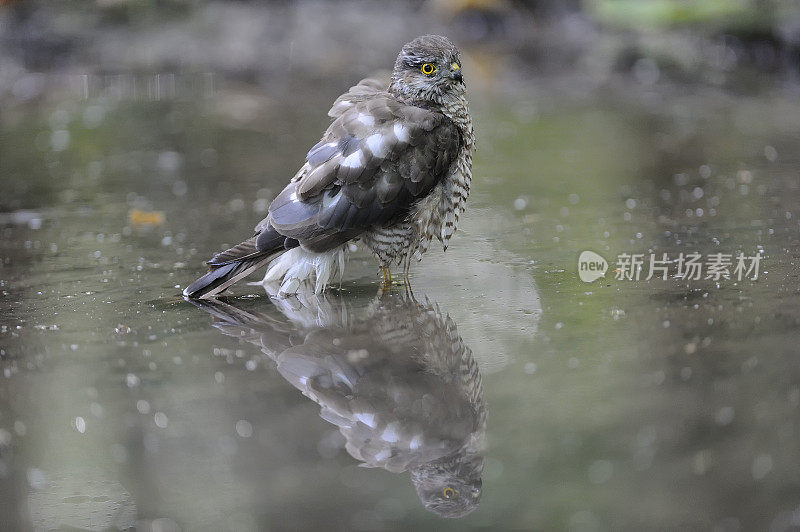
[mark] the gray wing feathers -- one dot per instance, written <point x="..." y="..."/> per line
<point x="377" y="158"/>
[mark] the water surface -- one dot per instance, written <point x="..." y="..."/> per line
<point x="616" y="404"/>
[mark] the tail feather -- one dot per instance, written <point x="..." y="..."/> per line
<point x="245" y="250"/>
<point x="236" y="263"/>
<point x="221" y="277"/>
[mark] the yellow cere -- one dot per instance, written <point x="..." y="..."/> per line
<point x="455" y="66"/>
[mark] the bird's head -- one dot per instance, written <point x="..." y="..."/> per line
<point x="450" y="486"/>
<point x="428" y="70"/>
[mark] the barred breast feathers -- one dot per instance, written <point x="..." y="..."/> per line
<point x="457" y="185"/>
<point x="451" y="195"/>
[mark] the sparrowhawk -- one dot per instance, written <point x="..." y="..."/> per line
<point x="395" y="378"/>
<point x="393" y="169"/>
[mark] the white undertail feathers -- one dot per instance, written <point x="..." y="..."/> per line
<point x="298" y="266"/>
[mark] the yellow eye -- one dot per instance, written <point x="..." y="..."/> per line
<point x="428" y="69"/>
<point x="449" y="493"/>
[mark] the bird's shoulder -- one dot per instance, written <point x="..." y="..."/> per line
<point x="363" y="90"/>
<point x="371" y="95"/>
<point x="371" y="130"/>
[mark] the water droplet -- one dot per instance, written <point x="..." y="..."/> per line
<point x="244" y="429"/>
<point x="142" y="406"/>
<point x="161" y="420"/>
<point x="724" y="415"/>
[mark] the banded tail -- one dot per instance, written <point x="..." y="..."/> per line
<point x="236" y="263"/>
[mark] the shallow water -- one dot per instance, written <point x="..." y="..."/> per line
<point x="617" y="404"/>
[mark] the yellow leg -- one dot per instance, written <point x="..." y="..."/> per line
<point x="387" y="275"/>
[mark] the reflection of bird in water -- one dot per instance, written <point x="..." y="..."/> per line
<point x="397" y="380"/>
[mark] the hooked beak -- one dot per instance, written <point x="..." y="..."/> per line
<point x="455" y="72"/>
